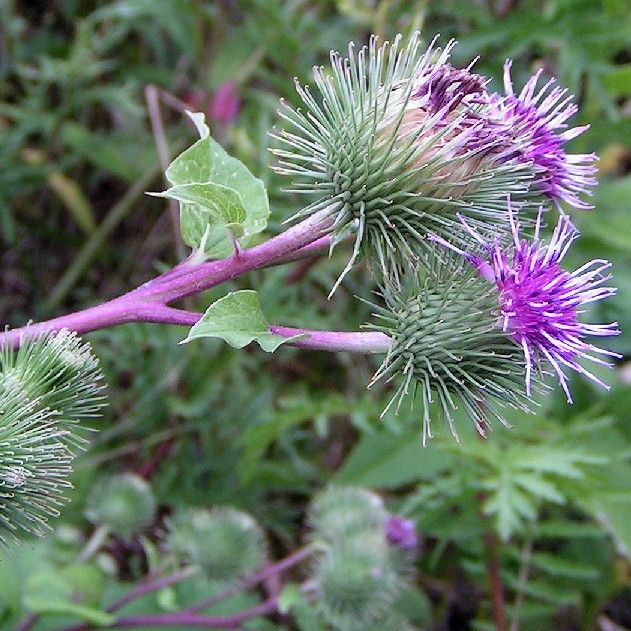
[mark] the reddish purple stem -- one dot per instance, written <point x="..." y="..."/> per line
<point x="184" y="618"/>
<point x="149" y="302"/>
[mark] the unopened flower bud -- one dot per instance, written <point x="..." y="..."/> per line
<point x="124" y="503"/>
<point x="226" y="543"/>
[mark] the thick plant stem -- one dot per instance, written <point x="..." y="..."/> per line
<point x="353" y="342"/>
<point x="148" y="302"/>
<point x="206" y="275"/>
<point x="495" y="580"/>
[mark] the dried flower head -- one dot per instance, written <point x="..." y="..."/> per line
<point x="535" y="123"/>
<point x="540" y="302"/>
<point x="446" y="345"/>
<point x="395" y="147"/>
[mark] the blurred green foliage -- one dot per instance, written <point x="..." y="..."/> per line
<point x="208" y="425"/>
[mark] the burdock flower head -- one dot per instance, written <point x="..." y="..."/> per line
<point x="540" y="302"/>
<point x="535" y="125"/>
<point x="447" y="346"/>
<point x="398" y="143"/>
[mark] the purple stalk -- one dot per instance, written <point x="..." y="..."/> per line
<point x="147" y="587"/>
<point x="147" y="303"/>
<point x="184" y="618"/>
<point x="352" y="342"/>
<point x="267" y="572"/>
<point x="152" y="585"/>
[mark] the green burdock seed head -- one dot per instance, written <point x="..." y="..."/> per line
<point x="225" y="542"/>
<point x="60" y="372"/>
<point x="396" y="145"/>
<point x="47" y="388"/>
<point x="449" y="346"/>
<point x="124" y="503"/>
<point x="34" y="467"/>
<point x="340" y="513"/>
<point x="356" y="584"/>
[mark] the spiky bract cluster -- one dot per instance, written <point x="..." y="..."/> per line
<point x="447" y="345"/>
<point x="225" y="542"/>
<point x="62" y="374"/>
<point x="395" y="147"/>
<point x="359" y="571"/>
<point x="46" y="388"/>
<point x="540" y="302"/>
<point x="34" y="467"/>
<point x="338" y="512"/>
<point x="123" y="503"/>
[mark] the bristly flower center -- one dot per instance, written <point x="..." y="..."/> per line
<point x="532" y="302"/>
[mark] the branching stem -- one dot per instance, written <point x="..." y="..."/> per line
<point x="148" y="303"/>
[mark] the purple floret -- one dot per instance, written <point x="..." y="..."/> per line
<point x="536" y="120"/>
<point x="540" y="302"/>
<point x="401" y="533"/>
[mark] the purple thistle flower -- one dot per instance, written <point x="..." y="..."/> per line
<point x="456" y="98"/>
<point x="401" y="533"/>
<point x="540" y="302"/>
<point x="536" y="122"/>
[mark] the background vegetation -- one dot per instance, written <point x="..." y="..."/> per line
<point x="209" y="426"/>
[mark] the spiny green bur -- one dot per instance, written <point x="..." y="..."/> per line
<point x="225" y="542"/>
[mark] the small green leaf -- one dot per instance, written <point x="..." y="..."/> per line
<point x="48" y="592"/>
<point x="238" y="320"/>
<point x="207" y="163"/>
<point x="211" y="207"/>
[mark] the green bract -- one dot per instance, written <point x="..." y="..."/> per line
<point x="449" y="346"/>
<point x="390" y="170"/>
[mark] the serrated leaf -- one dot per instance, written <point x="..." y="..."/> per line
<point x="558" y="529"/>
<point x="206" y="162"/>
<point x="553" y="460"/>
<point x="238" y="320"/>
<point x="539" y="487"/>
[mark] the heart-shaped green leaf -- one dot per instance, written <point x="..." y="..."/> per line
<point x="238" y="320"/>
<point x="207" y="165"/>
